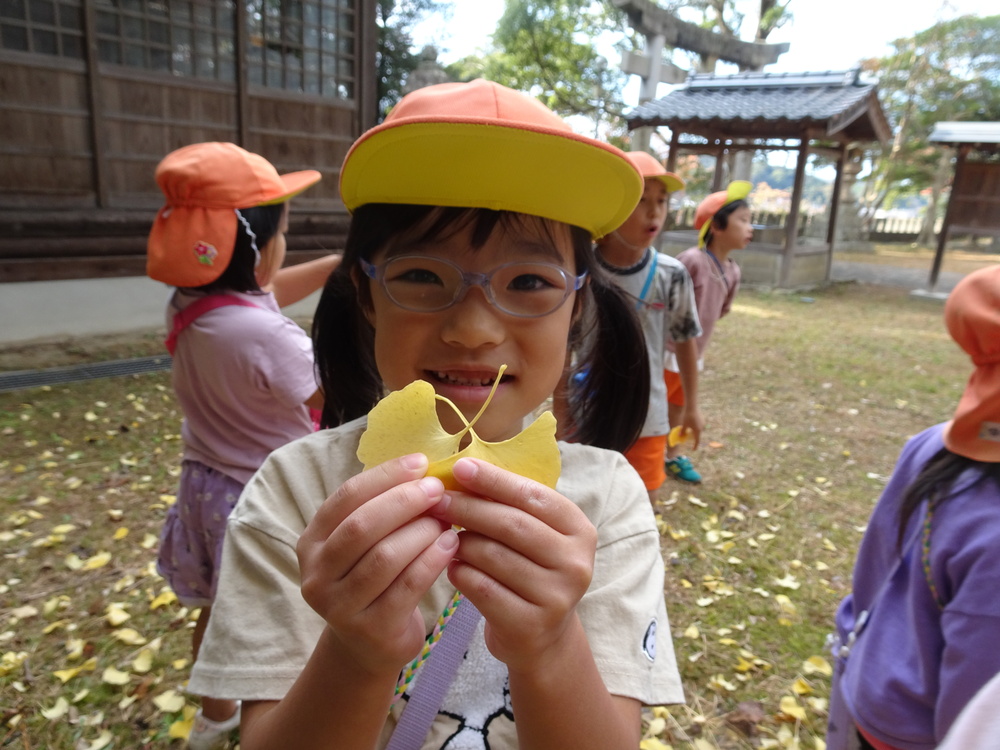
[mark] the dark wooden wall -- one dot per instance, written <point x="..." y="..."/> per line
<point x="80" y="140"/>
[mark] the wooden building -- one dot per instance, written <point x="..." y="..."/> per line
<point x="807" y="113"/>
<point x="974" y="205"/>
<point x="93" y="93"/>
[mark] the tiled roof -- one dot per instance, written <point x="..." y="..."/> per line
<point x="769" y="105"/>
<point x="978" y="133"/>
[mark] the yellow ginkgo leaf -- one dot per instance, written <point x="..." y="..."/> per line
<point x="181" y="729"/>
<point x="406" y="421"/>
<point x="165" y="598"/>
<point x="143" y="662"/>
<point x="57" y="711"/>
<point x="169" y="701"/>
<point x="801" y="687"/>
<point x="817" y="665"/>
<point x="790" y="707"/>
<point x="680" y="435"/>
<point x="116" y="615"/>
<point x="97" y="561"/>
<point x="102" y="741"/>
<point x="114" y="676"/>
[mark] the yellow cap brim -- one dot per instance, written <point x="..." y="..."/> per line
<point x="553" y="174"/>
<point x="737" y="190"/>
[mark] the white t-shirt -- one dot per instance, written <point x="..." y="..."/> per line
<point x="262" y="632"/>
<point x="664" y="299"/>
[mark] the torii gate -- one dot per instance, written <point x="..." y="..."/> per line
<point x="660" y="28"/>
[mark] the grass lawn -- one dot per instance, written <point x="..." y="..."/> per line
<point x="808" y="401"/>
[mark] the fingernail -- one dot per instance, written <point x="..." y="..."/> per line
<point x="465" y="469"/>
<point x="448" y="541"/>
<point x="432" y="486"/>
<point x="415" y="461"/>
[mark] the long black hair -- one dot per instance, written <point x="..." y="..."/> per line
<point x="935" y="480"/>
<point x="606" y="334"/>
<point x="240" y="275"/>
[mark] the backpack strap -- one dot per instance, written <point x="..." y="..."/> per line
<point x="435" y="678"/>
<point x="187" y="316"/>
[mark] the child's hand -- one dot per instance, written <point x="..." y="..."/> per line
<point x="525" y="559"/>
<point x="694" y="422"/>
<point x="368" y="556"/>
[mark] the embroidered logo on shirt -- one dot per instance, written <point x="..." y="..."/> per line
<point x="989" y="431"/>
<point x="649" y="641"/>
<point x="205" y="253"/>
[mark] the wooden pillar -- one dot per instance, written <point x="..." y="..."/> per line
<point x="366" y="30"/>
<point x="99" y="170"/>
<point x="675" y="140"/>
<point x="831" y="230"/>
<point x="963" y="153"/>
<point x="242" y="73"/>
<point x="720" y="156"/>
<point x="792" y="227"/>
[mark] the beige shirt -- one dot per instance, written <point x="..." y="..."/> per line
<point x="262" y="632"/>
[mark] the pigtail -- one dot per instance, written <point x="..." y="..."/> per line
<point x="608" y="388"/>
<point x="343" y="342"/>
<point x="935" y="481"/>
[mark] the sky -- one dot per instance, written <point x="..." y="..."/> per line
<point x="823" y="35"/>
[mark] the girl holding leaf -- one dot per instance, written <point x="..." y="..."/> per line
<point x="348" y="591"/>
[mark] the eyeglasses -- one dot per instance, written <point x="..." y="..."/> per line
<point x="423" y="284"/>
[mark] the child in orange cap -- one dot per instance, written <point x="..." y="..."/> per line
<point x="916" y="639"/>
<point x="242" y="372"/>
<point x="723" y="224"/>
<point x="663" y="298"/>
<point x="351" y="598"/>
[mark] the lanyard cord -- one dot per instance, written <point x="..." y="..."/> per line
<point x="722" y="273"/>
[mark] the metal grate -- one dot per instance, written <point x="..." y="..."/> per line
<point x="22" y="379"/>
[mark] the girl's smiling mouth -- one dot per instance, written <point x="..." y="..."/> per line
<point x="465" y="379"/>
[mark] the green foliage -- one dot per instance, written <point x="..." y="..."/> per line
<point x="950" y="71"/>
<point x="394" y="54"/>
<point x="546" y="47"/>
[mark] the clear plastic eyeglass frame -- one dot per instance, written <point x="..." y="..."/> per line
<point x="472" y="278"/>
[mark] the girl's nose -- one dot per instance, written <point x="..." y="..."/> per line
<point x="473" y="321"/>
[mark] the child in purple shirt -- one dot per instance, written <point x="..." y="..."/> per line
<point x="917" y="637"/>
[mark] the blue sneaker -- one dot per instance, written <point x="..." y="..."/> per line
<point x="681" y="468"/>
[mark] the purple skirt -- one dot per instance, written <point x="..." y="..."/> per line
<point x="191" y="542"/>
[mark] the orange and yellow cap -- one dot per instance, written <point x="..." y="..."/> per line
<point x="651" y="168"/>
<point x="736" y="191"/>
<point x="482" y="145"/>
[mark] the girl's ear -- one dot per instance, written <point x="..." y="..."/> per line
<point x="264" y="272"/>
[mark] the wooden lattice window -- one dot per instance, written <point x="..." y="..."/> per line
<point x="303" y="45"/>
<point x="44" y="27"/>
<point x="193" y="38"/>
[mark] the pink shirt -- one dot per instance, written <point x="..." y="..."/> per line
<point x="241" y="376"/>
<point x="713" y="293"/>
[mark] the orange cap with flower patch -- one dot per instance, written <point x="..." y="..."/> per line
<point x="194" y="234"/>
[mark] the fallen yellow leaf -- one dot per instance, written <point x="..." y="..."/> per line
<point x="143" y="662"/>
<point x="790" y="707"/>
<point x="57" y="711"/>
<point x="114" y="676"/>
<point x="817" y="665"/>
<point x="169" y="701"/>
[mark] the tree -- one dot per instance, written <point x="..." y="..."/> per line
<point x="547" y="47"/>
<point x="395" y="57"/>
<point x="950" y="71"/>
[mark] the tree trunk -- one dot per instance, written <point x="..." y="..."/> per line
<point x="941" y="174"/>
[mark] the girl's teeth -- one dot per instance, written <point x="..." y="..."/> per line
<point x="483" y="382"/>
